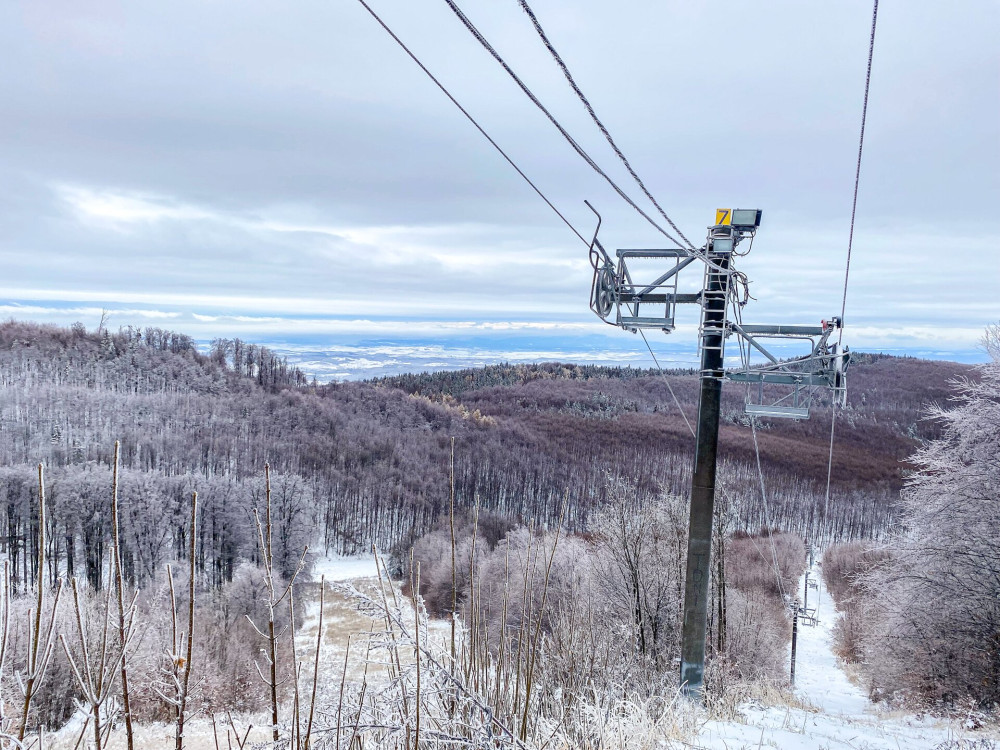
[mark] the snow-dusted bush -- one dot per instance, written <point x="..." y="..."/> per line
<point x="475" y="536"/>
<point x="761" y="579"/>
<point x="757" y="633"/>
<point x="595" y="619"/>
<point x="845" y="567"/>
<point x="53" y="703"/>
<point x="936" y="632"/>
<point x="769" y="562"/>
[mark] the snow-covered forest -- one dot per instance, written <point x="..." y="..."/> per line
<point x="368" y="462"/>
<point x="152" y="491"/>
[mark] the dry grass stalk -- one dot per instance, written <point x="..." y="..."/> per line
<point x="315" y="681"/>
<point x="386" y="718"/>
<point x="182" y="665"/>
<point x="295" y="730"/>
<point x="40" y="646"/>
<point x="4" y="635"/>
<point x="274" y="600"/>
<point x="538" y="625"/>
<point x="120" y="590"/>
<point x="95" y="672"/>
<point x="178" y="664"/>
<point x="454" y="580"/>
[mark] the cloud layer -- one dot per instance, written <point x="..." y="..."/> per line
<point x="287" y="175"/>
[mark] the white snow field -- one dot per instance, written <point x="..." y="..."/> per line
<point x="842" y="719"/>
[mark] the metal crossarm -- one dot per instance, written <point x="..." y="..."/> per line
<point x="638" y="302"/>
<point x="633" y="290"/>
<point x="758" y="330"/>
<point x="780" y="378"/>
<point x="785" y="412"/>
<point x="824" y="367"/>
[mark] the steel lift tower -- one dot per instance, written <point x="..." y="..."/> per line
<point x="774" y="387"/>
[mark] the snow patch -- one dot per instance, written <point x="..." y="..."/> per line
<point x="819" y="678"/>
<point x="345" y="568"/>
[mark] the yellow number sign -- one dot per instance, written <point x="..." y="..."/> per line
<point x="723" y="216"/>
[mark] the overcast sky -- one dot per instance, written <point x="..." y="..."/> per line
<point x="284" y="173"/>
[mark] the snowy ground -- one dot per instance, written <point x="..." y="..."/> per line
<point x="841" y="717"/>
<point x="337" y="568"/>
<point x="835" y="714"/>
<point x="342" y="621"/>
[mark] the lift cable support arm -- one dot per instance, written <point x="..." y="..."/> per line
<point x="825" y="366"/>
<point x="625" y="294"/>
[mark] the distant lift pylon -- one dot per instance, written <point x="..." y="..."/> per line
<point x="639" y="290"/>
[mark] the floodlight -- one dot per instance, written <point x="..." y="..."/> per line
<point x="746" y="218"/>
<point x="722" y="245"/>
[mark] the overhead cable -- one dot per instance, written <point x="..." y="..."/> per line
<point x="850" y="247"/>
<point x="473" y="121"/>
<point x="669" y="387"/>
<point x="471" y="27"/>
<point x="767" y="512"/>
<point x="597" y="121"/>
<point x="857" y="171"/>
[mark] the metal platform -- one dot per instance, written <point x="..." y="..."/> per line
<point x="773" y="410"/>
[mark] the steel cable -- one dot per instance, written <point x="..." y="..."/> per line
<point x="850" y="247"/>
<point x="471" y="27"/>
<point x="473" y="121"/>
<point x="767" y="512"/>
<point x="597" y="121"/>
<point x="669" y="387"/>
<point x="857" y="171"/>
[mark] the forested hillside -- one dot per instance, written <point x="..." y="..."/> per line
<point x="623" y="420"/>
<point x="369" y="462"/>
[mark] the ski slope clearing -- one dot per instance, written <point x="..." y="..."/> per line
<point x="839" y="715"/>
<point x="343" y="568"/>
<point x="830" y="712"/>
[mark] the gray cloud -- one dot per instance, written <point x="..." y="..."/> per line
<point x="264" y="160"/>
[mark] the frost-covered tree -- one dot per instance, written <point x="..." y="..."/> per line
<point x="641" y="544"/>
<point x="936" y="627"/>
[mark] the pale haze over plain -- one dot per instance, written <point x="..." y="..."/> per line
<point x="282" y="172"/>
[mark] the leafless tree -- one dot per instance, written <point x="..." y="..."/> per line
<point x="40" y="639"/>
<point x="642" y="541"/>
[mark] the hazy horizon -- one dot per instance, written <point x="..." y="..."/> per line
<point x="329" y="358"/>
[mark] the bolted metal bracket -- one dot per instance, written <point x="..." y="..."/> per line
<point x="786" y="388"/>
